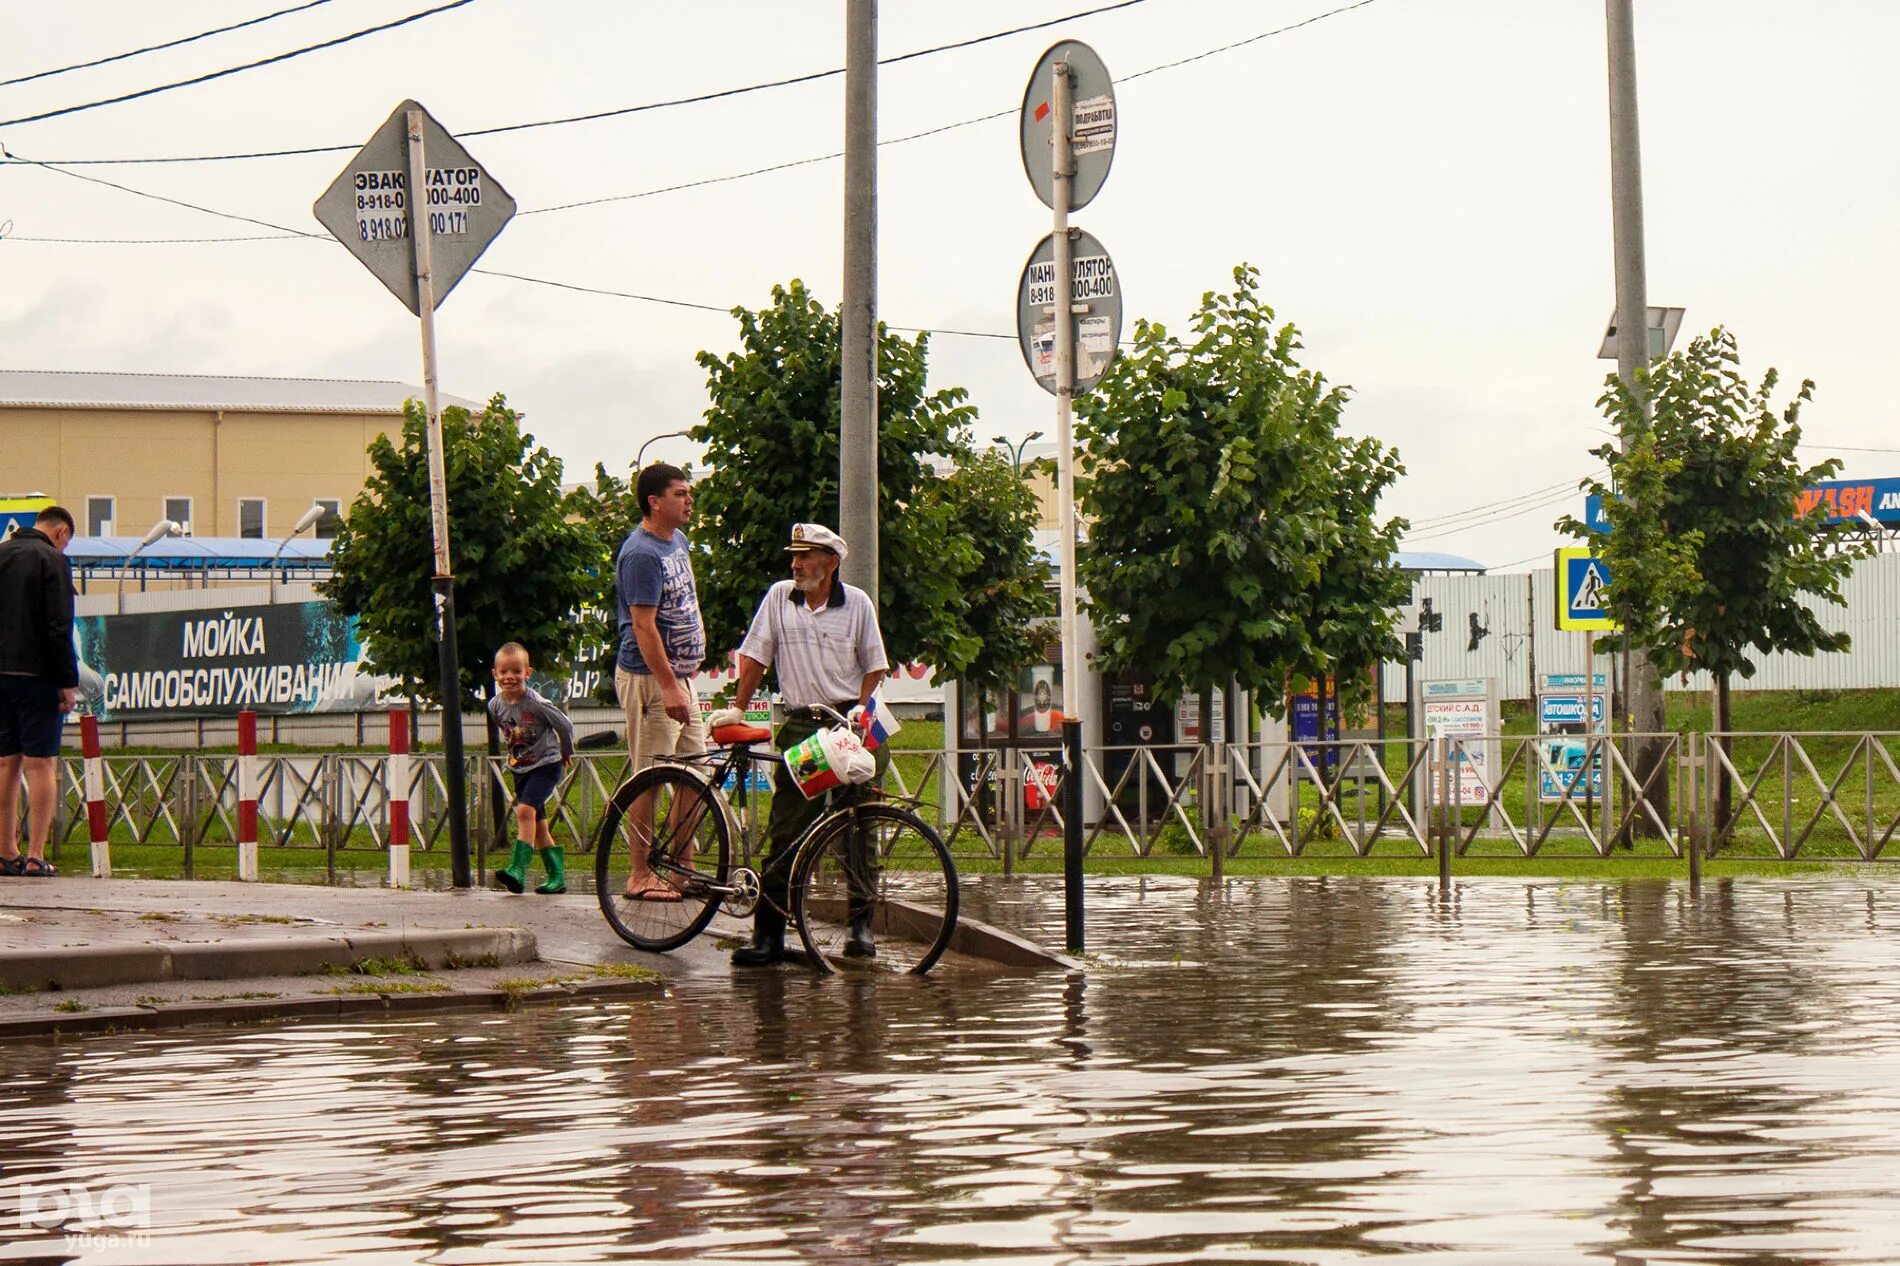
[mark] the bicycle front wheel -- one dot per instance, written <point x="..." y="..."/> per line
<point x="672" y="819"/>
<point x="878" y="878"/>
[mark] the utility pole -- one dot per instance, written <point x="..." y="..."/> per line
<point x="1643" y="701"/>
<point x="857" y="412"/>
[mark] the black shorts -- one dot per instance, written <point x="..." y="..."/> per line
<point x="30" y="719"/>
<point x="534" y="786"/>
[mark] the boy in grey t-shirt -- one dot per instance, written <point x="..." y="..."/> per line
<point x="540" y="741"/>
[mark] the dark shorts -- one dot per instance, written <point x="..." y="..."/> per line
<point x="30" y="719"/>
<point x="534" y="786"/>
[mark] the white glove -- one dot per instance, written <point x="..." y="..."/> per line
<point x="859" y="718"/>
<point x="724" y="717"/>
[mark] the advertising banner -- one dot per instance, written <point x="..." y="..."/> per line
<point x="284" y="658"/>
<point x="1564" y="700"/>
<point x="1465" y="709"/>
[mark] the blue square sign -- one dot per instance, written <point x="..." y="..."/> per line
<point x="1583" y="582"/>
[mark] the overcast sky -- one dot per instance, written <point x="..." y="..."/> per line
<point x="1423" y="185"/>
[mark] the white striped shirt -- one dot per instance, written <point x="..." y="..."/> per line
<point x="822" y="656"/>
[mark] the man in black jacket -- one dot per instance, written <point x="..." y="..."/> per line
<point x="39" y="682"/>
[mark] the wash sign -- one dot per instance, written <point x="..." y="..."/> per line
<point x="1583" y="583"/>
<point x="1844" y="500"/>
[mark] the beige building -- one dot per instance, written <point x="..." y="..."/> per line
<point x="227" y="456"/>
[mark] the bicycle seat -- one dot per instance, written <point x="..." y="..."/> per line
<point x="733" y="735"/>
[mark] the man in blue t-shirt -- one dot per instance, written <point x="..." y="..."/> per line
<point x="662" y="638"/>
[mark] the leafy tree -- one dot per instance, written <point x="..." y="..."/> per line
<point x="521" y="569"/>
<point x="609" y="512"/>
<point x="1707" y="554"/>
<point x="1007" y="588"/>
<point x="771" y="445"/>
<point x="1233" y="532"/>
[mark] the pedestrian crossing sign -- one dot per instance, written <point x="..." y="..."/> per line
<point x="1583" y="582"/>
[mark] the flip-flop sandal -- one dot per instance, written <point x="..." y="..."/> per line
<point x="39" y="868"/>
<point x="13" y="865"/>
<point x="655" y="894"/>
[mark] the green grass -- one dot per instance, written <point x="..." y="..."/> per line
<point x="408" y="965"/>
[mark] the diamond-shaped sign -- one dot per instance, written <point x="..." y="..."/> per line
<point x="367" y="207"/>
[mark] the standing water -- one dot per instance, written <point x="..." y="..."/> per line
<point x="1303" y="1070"/>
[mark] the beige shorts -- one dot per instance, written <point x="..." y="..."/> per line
<point x="650" y="732"/>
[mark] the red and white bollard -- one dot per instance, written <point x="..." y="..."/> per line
<point x="397" y="787"/>
<point x="96" y="824"/>
<point x="247" y="797"/>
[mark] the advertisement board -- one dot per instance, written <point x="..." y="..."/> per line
<point x="284" y="658"/>
<point x="1467" y="709"/>
<point x="1564" y="700"/>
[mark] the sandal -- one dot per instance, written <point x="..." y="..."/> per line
<point x="15" y="865"/>
<point x="38" y="868"/>
<point x="659" y="893"/>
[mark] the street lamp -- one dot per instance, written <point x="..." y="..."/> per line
<point x="159" y="530"/>
<point x="640" y="458"/>
<point x="307" y="519"/>
<point x="1016" y="451"/>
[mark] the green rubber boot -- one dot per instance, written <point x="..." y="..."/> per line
<point x="514" y="876"/>
<point x="554" y="861"/>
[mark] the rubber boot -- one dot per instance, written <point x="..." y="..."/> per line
<point x="554" y="861"/>
<point x="858" y="941"/>
<point x="768" y="940"/>
<point x="514" y="876"/>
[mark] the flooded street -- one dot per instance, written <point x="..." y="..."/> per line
<point x="1293" y="1070"/>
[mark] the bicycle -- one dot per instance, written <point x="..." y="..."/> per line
<point x="864" y="856"/>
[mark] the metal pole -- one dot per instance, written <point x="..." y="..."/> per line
<point x="1642" y="691"/>
<point x="1698" y="818"/>
<point x="1065" y="513"/>
<point x="439" y="513"/>
<point x="857" y="406"/>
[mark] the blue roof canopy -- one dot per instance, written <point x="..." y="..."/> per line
<point x="199" y="553"/>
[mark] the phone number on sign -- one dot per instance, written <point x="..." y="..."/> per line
<point x="389" y="228"/>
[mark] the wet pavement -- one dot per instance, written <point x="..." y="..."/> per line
<point x="1286" y="1070"/>
<point x="81" y="955"/>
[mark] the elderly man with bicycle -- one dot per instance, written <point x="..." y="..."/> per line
<point x="822" y="636"/>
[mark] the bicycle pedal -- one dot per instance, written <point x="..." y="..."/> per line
<point x="742" y="892"/>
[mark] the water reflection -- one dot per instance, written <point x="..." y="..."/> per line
<point x="1289" y="1070"/>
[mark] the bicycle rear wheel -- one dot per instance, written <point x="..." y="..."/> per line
<point x="673" y="815"/>
<point x="885" y="867"/>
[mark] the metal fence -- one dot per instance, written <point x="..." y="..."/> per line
<point x="1772" y="796"/>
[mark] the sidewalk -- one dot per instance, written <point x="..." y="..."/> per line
<point x="79" y="954"/>
<point x="85" y="955"/>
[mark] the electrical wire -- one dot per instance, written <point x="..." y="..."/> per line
<point x="751" y="88"/>
<point x="1519" y="562"/>
<point x="1436" y="519"/>
<point x="286" y="231"/>
<point x="1845" y="448"/>
<point x="1497" y="518"/>
<point x="154" y="48"/>
<point x="620" y="111"/>
<point x="233" y="70"/>
<point x="60" y="164"/>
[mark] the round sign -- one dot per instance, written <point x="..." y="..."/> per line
<point x="1092" y="126"/>
<point x="1095" y="300"/>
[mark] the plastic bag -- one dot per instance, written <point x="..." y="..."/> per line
<point x="828" y="759"/>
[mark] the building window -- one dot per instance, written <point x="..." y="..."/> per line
<point x="178" y="510"/>
<point x="332" y="515"/>
<point x="100" y="514"/>
<point x="251" y="517"/>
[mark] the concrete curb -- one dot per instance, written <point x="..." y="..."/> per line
<point x="1006" y="949"/>
<point x="57" y="1024"/>
<point x="94" y="966"/>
